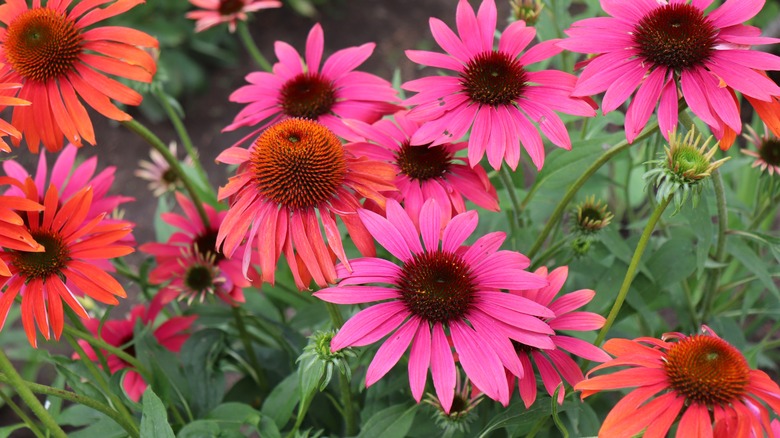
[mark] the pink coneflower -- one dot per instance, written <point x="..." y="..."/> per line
<point x="700" y="378"/>
<point x="60" y="59"/>
<point x="767" y="153"/>
<point x="214" y="12"/>
<point x="294" y="178"/>
<point x="554" y="363"/>
<point x="67" y="267"/>
<point x="171" y="335"/>
<point x="425" y="172"/>
<point x="162" y="179"/>
<point x="670" y="47"/>
<point x="441" y="288"/>
<point x="494" y="94"/>
<point x="189" y="262"/>
<point x="326" y="95"/>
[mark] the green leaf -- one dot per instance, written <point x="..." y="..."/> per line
<point x="752" y="262"/>
<point x="282" y="401"/>
<point x="200" y="356"/>
<point x="154" y="417"/>
<point x="233" y="415"/>
<point x="200" y="429"/>
<point x="392" y="422"/>
<point x="8" y="430"/>
<point x="268" y="428"/>
<point x="517" y="418"/>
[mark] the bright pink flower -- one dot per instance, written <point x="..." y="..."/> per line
<point x="438" y="289"/>
<point x="214" y="12"/>
<point x="171" y="335"/>
<point x="700" y="379"/>
<point x="189" y="262"/>
<point x="425" y="172"/>
<point x="296" y="177"/>
<point x="326" y="95"/>
<point x="670" y="47"/>
<point x="493" y="91"/>
<point x="554" y="363"/>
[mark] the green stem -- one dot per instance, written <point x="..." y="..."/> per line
<point x="14" y="380"/>
<point x="346" y="392"/>
<point x="22" y="416"/>
<point x="576" y="185"/>
<point x="157" y="144"/>
<point x="506" y="180"/>
<point x="710" y="288"/>
<point x="632" y="268"/>
<point x="249" y="348"/>
<point x="548" y="254"/>
<point x="130" y="427"/>
<point x="251" y="47"/>
<point x="181" y="130"/>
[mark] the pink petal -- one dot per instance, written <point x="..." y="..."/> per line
<point x="370" y="325"/>
<point x="346" y="60"/>
<point x="458" y="230"/>
<point x="314" y="45"/>
<point x="480" y="362"/>
<point x="644" y="102"/>
<point x="734" y="12"/>
<point x="419" y="361"/>
<point x="391" y="351"/>
<point x="355" y="294"/>
<point x="448" y="40"/>
<point x="442" y="368"/>
<point x="430" y="225"/>
<point x="386" y="234"/>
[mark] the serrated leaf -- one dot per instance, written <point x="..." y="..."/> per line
<point x="392" y="422"/>
<point x="154" y="416"/>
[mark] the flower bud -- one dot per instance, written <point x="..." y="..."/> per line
<point x="526" y="10"/>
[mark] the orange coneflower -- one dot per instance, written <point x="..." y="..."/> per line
<point x="66" y="267"/>
<point x="5" y="127"/>
<point x="57" y="60"/>
<point x="13" y="234"/>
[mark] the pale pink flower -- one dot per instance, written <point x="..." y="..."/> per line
<point x="662" y="49"/>
<point x="440" y="287"/>
<point x="493" y="93"/>
<point x="214" y="12"/>
<point x="425" y="172"/>
<point x="767" y="153"/>
<point x="555" y="363"/>
<point x="304" y="90"/>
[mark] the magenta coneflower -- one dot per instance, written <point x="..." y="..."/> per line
<point x="162" y="179"/>
<point x="670" y="47"/>
<point x="171" y="335"/>
<point x="68" y="265"/>
<point x="189" y="262"/>
<point x="554" y="363"/>
<point x="699" y="379"/>
<point x="326" y="95"/>
<point x="494" y="91"/>
<point x="767" y="153"/>
<point x="425" y="172"/>
<point x="296" y="177"/>
<point x="436" y="290"/>
<point x="214" y="12"/>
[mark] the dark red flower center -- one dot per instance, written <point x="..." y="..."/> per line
<point x="437" y="286"/>
<point x="494" y="78"/>
<point x="44" y="264"/>
<point x="42" y="44"/>
<point x="676" y="36"/>
<point x="423" y="162"/>
<point x="228" y="7"/>
<point x="199" y="278"/>
<point x="298" y="163"/>
<point x="206" y="245"/>
<point x="307" y="95"/>
<point x="707" y="370"/>
<point x="770" y="152"/>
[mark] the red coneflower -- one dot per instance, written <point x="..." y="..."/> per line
<point x="58" y="60"/>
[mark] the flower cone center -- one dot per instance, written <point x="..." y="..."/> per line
<point x="42" y="264"/>
<point x="307" y="95"/>
<point x="423" y="162"/>
<point x="494" y="78"/>
<point x="206" y="245"/>
<point x="707" y="370"/>
<point x="228" y="7"/>
<point x="437" y="286"/>
<point x="298" y="163"/>
<point x="199" y="278"/>
<point x="676" y="36"/>
<point x="770" y="152"/>
<point x="42" y="44"/>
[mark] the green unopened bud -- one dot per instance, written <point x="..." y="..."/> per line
<point x="458" y="418"/>
<point x="317" y="357"/>
<point x="683" y="167"/>
<point x="526" y="10"/>
<point x="581" y="245"/>
<point x="592" y="216"/>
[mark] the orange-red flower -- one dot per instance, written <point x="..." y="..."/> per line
<point x="66" y="267"/>
<point x="13" y="233"/>
<point x="60" y="61"/>
<point x="5" y="100"/>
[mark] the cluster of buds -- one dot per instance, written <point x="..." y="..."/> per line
<point x="526" y="10"/>
<point x="679" y="172"/>
<point x="317" y="358"/>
